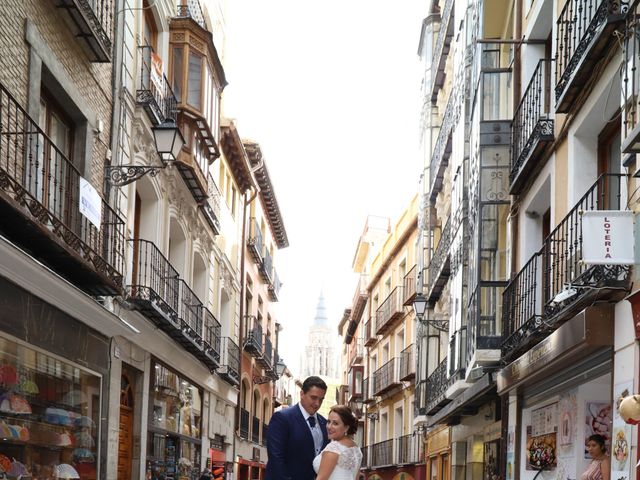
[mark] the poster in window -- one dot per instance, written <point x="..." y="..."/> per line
<point x="621" y="438"/>
<point x="541" y="451"/>
<point x="598" y="421"/>
<point x="491" y="460"/>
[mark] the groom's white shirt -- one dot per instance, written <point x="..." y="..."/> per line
<point x="316" y="433"/>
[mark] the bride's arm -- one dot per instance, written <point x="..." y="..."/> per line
<point x="327" y="465"/>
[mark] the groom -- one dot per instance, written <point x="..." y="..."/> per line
<point x="297" y="434"/>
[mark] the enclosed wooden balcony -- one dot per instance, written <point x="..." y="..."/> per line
<point x="584" y="36"/>
<point x="41" y="209"/>
<point x="555" y="283"/>
<point x="229" y="368"/>
<point x="532" y="127"/>
<point x="391" y="310"/>
<point x="91" y="22"/>
<point x="356" y="351"/>
<point x="355" y="378"/>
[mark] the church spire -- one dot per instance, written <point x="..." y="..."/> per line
<point x="321" y="312"/>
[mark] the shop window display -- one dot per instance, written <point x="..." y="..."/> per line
<point x="174" y="437"/>
<point x="48" y="416"/>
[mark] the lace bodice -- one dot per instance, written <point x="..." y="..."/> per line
<point x="349" y="459"/>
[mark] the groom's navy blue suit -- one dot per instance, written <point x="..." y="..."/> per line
<point x="290" y="448"/>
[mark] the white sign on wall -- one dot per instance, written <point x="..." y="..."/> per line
<point x="607" y="237"/>
<point x="90" y="203"/>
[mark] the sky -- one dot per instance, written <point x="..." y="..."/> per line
<point x="330" y="90"/>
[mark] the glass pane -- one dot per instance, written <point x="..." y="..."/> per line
<point x="493" y="242"/>
<point x="177" y="72"/>
<point x="195" y="81"/>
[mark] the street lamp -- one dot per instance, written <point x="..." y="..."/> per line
<point x="168" y="140"/>
<point x="420" y="307"/>
<point x="280" y="367"/>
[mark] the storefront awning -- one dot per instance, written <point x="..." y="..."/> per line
<point x="467" y="402"/>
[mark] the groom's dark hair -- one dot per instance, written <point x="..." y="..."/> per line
<point x="313" y="381"/>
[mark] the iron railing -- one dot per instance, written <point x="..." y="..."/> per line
<point x="255" y="430"/>
<point x="409" y="449"/>
<point x="410" y="286"/>
<point x="265" y="427"/>
<point x="407" y="363"/>
<point x="268" y="352"/>
<point x="442" y="148"/>
<point x="386" y="377"/>
<point x="211" y="207"/>
<point x="360" y="297"/>
<point x="531" y="122"/>
<point x="253" y="338"/>
<point x="191" y="9"/>
<point x="630" y="78"/>
<point x="439" y="262"/>
<point x="370" y="336"/>
<point x="391" y="309"/>
<point x="244" y="423"/>
<point x="230" y="361"/>
<point x="365" y="457"/>
<point x="274" y="287"/>
<point x="211" y="334"/>
<point x="441" y="49"/>
<point x="382" y="453"/>
<point x="578" y="24"/>
<point x="93" y="20"/>
<point x="154" y="91"/>
<point x="255" y="242"/>
<point x="39" y="179"/>
<point x="266" y="266"/>
<point x="530" y="297"/>
<point x="154" y="279"/>
<point x="367" y="395"/>
<point x="356" y="351"/>
<point x="188" y="311"/>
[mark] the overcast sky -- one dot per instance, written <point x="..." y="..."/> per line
<point x="330" y="90"/>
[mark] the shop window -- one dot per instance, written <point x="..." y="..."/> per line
<point x="49" y="415"/>
<point x="174" y="438"/>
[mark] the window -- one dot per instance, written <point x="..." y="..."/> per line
<point x="194" y="93"/>
<point x="149" y="30"/>
<point x="177" y="72"/>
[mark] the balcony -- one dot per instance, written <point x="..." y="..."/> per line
<point x="354" y="379"/>
<point x="191" y="9"/>
<point x="91" y="21"/>
<point x="161" y="296"/>
<point x="229" y="368"/>
<point x="437" y="385"/>
<point x="253" y="337"/>
<point x="41" y="211"/>
<point x="357" y="409"/>
<point x="410" y="286"/>
<point x="244" y="424"/>
<point x="407" y="364"/>
<point x="265" y="427"/>
<point x="392" y="309"/>
<point x="631" y="81"/>
<point x="360" y="298"/>
<point x="369" y="334"/>
<point x="154" y="93"/>
<point x="265" y="360"/>
<point x="255" y="244"/>
<point x="442" y="148"/>
<point x="439" y="265"/>
<point x="530" y="311"/>
<point x="409" y="450"/>
<point x="343" y="394"/>
<point x="382" y="454"/>
<point x="584" y="36"/>
<point x="367" y="390"/>
<point x="265" y="268"/>
<point x="255" y="430"/>
<point x="274" y="287"/>
<point x="365" y="457"/>
<point x="211" y="207"/>
<point x="441" y="50"/>
<point x="356" y="351"/>
<point x="386" y="377"/>
<point x="532" y="127"/>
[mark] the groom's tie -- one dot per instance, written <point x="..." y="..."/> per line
<point x="316" y="434"/>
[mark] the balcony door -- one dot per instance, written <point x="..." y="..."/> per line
<point x="609" y="161"/>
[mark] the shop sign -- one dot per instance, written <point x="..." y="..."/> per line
<point x="607" y="237"/>
<point x="90" y="203"/>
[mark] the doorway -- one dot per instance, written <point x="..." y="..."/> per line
<point x="125" y="437"/>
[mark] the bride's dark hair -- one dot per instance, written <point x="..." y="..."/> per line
<point x="347" y="417"/>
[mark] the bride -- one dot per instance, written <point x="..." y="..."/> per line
<point x="340" y="460"/>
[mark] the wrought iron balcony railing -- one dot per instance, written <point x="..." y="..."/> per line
<point x="41" y="210"/>
<point x="91" y="21"/>
<point x="409" y="449"/>
<point x="531" y="310"/>
<point x="389" y="311"/>
<point x="253" y="337"/>
<point x="367" y="390"/>
<point x="191" y="9"/>
<point x="407" y="364"/>
<point x="360" y="297"/>
<point x="356" y="351"/>
<point x="382" y="454"/>
<point x="212" y="331"/>
<point x="274" y="287"/>
<point x="532" y="127"/>
<point x="410" y="285"/>
<point x="154" y="92"/>
<point x="255" y="243"/>
<point x="441" y="50"/>
<point x="266" y="267"/>
<point x="244" y="423"/>
<point x="584" y="35"/>
<point x="439" y="264"/>
<point x="442" y="149"/>
<point x="211" y="207"/>
<point x="386" y="377"/>
<point x="229" y="368"/>
<point x="265" y="428"/>
<point x="255" y="430"/>
<point x="365" y="457"/>
<point x="265" y="360"/>
<point x="370" y="336"/>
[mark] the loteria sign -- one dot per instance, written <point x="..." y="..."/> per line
<point x="607" y="237"/>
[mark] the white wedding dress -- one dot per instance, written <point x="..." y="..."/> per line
<point x="349" y="459"/>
